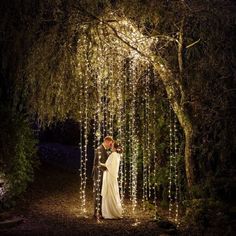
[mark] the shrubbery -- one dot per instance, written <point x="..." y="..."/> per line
<point x="18" y="153"/>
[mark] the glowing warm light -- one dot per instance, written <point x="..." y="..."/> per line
<point x="173" y="191"/>
<point x="136" y="223"/>
<point x="155" y="166"/>
<point x="111" y="59"/>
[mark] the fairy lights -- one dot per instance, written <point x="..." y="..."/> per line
<point x="85" y="125"/>
<point x="148" y="134"/>
<point x="173" y="191"/>
<point x="124" y="135"/>
<point x="81" y="132"/>
<point x="111" y="70"/>
<point x="146" y="146"/>
<point x="99" y="132"/>
<point x="171" y="155"/>
<point x="83" y="94"/>
<point x="120" y="131"/>
<point x="176" y="170"/>
<point x="130" y="117"/>
<point x="110" y="89"/>
<point x="134" y="141"/>
<point x="155" y="165"/>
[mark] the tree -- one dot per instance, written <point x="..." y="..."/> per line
<point x="45" y="80"/>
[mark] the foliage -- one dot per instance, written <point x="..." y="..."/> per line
<point x="49" y="75"/>
<point x="18" y="151"/>
<point x="47" y="85"/>
<point x="209" y="67"/>
<point x="207" y="214"/>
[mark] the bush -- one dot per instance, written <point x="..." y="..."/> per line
<point x="206" y="215"/>
<point x="18" y="153"/>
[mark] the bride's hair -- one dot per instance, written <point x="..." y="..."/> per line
<point x="117" y="146"/>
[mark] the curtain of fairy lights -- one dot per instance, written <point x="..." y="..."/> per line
<point x="113" y="70"/>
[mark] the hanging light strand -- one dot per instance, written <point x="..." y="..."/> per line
<point x="155" y="163"/>
<point x="81" y="96"/>
<point x="146" y="143"/>
<point x="124" y="129"/>
<point x="111" y="99"/>
<point x="134" y="139"/>
<point x="176" y="170"/>
<point x="100" y="118"/>
<point x="171" y="155"/>
<point x="148" y="110"/>
<point x="120" y="130"/>
<point x="130" y="84"/>
<point x="85" y="151"/>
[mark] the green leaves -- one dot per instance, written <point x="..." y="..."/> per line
<point x="18" y="155"/>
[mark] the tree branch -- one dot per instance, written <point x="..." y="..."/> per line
<point x="192" y="44"/>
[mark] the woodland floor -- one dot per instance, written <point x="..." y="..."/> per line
<point x="51" y="206"/>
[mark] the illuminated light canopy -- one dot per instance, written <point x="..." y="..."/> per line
<point x="112" y="60"/>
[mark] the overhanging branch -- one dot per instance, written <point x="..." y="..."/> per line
<point x="192" y="44"/>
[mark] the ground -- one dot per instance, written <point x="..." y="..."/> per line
<point x="51" y="206"/>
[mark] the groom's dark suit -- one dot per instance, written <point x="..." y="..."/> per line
<point x="100" y="155"/>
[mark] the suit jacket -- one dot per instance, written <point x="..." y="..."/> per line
<point x="100" y="155"/>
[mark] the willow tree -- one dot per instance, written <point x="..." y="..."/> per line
<point x="65" y="36"/>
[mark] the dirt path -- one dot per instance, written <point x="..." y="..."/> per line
<point x="51" y="206"/>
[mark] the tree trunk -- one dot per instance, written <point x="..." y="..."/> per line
<point x="190" y="163"/>
<point x="186" y="124"/>
<point x="175" y="93"/>
<point x="184" y="119"/>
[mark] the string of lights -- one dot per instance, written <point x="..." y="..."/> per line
<point x="147" y="87"/>
<point x="124" y="128"/>
<point x="171" y="154"/>
<point x="115" y="114"/>
<point x="146" y="149"/>
<point x="100" y="129"/>
<point x="176" y="170"/>
<point x="83" y="41"/>
<point x="134" y="140"/>
<point x="155" y="164"/>
<point x="120" y="135"/>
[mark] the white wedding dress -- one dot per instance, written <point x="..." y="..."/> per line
<point x="111" y="203"/>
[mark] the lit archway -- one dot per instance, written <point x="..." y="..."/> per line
<point x="112" y="71"/>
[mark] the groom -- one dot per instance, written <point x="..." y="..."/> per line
<point x="101" y="155"/>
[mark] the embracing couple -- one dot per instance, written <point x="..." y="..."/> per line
<point x="107" y="202"/>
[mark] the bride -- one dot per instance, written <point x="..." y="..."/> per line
<point x="111" y="203"/>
